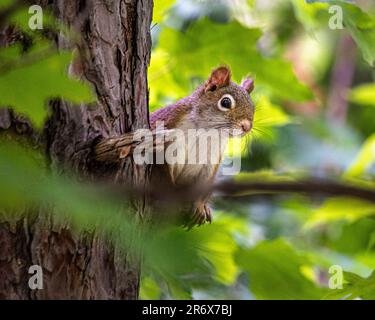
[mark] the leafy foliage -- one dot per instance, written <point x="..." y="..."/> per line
<point x="355" y="287"/>
<point x="275" y="272"/>
<point x="28" y="81"/>
<point x="211" y="44"/>
<point x="160" y="9"/>
<point x="338" y="209"/>
<point x="362" y="28"/>
<point x="360" y="25"/>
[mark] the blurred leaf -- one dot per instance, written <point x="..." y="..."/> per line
<point x="336" y="209"/>
<point x="21" y="17"/>
<point x="24" y="181"/>
<point x="275" y="272"/>
<point x="160" y="7"/>
<point x="361" y="26"/>
<point x="363" y="94"/>
<point x="183" y="259"/>
<point x="355" y="237"/>
<point x="371" y="242"/>
<point x="220" y="246"/>
<point x="5" y="3"/>
<point x="354" y="287"/>
<point x="206" y="252"/>
<point x="363" y="160"/>
<point x="308" y="14"/>
<point x="161" y="80"/>
<point x="28" y="81"/>
<point x="150" y="290"/>
<point x="8" y="54"/>
<point x="206" y="45"/>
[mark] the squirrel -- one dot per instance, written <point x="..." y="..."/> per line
<point x="217" y="104"/>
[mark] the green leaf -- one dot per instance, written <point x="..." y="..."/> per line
<point x="5" y="3"/>
<point x="308" y="14"/>
<point x="207" y="251"/>
<point x="206" y="255"/>
<point x="161" y="80"/>
<point x="337" y="209"/>
<point x="354" y="287"/>
<point x="21" y="16"/>
<point x="160" y="7"/>
<point x="363" y="160"/>
<point x="355" y="238"/>
<point x="361" y="26"/>
<point x="206" y="44"/>
<point x="29" y="81"/>
<point x="363" y="94"/>
<point x="276" y="271"/>
<point x="150" y="290"/>
<point x="219" y="247"/>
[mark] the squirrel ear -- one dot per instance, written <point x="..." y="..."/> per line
<point x="248" y="85"/>
<point x="220" y="77"/>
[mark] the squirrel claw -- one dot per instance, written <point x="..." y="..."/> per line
<point x="202" y="214"/>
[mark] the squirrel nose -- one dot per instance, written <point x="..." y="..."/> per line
<point x="246" y="125"/>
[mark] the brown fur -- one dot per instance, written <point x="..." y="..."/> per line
<point x="200" y="111"/>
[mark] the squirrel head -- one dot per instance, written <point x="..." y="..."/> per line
<point x="225" y="105"/>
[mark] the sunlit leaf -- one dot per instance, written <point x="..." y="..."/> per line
<point x="337" y="209"/>
<point x="150" y="290"/>
<point x="363" y="94"/>
<point x="160" y="8"/>
<point x="364" y="159"/>
<point x="162" y="84"/>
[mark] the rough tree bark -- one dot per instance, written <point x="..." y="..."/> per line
<point x="115" y="47"/>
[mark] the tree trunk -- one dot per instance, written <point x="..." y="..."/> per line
<point x="115" y="48"/>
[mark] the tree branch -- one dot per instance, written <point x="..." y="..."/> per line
<point x="112" y="150"/>
<point x="311" y="187"/>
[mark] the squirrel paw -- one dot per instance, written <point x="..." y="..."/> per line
<point x="201" y="215"/>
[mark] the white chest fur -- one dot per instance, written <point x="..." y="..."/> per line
<point x="194" y="156"/>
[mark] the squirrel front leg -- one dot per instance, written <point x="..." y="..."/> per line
<point x="201" y="212"/>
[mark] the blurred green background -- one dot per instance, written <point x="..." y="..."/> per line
<point x="315" y="116"/>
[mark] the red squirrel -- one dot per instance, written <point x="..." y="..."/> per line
<point x="219" y="104"/>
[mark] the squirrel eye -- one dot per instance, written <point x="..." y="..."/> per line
<point x="226" y="102"/>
